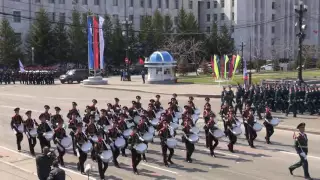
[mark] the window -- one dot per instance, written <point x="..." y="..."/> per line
<point x="232" y="3"/>
<point x="130" y="3"/>
<point x="18" y="36"/>
<point x="52" y="16"/>
<point x="208" y="5"/>
<point x="150" y="3"/>
<point x="141" y="19"/>
<point x="131" y="17"/>
<point x="115" y="2"/>
<point x="273" y="17"/>
<point x="167" y="71"/>
<point x="62" y="17"/>
<point x="273" y="5"/>
<point x="16" y="16"/>
<point x="63" y="2"/>
<point x="208" y="29"/>
<point x="208" y="17"/>
<point x="167" y="4"/>
<point x="159" y="71"/>
<point x="190" y="4"/>
<point x="215" y="4"/>
<point x="273" y="29"/>
<point x="176" y="4"/>
<point x="222" y="3"/>
<point x="159" y="3"/>
<point x="73" y="2"/>
<point x="222" y="16"/>
<point x="84" y="2"/>
<point x="176" y="20"/>
<point x="37" y="1"/>
<point x="115" y="17"/>
<point x="51" y="1"/>
<point x="232" y="28"/>
<point x="232" y="16"/>
<point x="142" y="3"/>
<point x="215" y="17"/>
<point x="96" y="2"/>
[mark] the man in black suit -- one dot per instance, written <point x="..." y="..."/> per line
<point x="56" y="173"/>
<point x="44" y="162"/>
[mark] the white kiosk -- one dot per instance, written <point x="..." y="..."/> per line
<point x="161" y="68"/>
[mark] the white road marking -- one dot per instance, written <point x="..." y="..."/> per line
<point x="12" y="165"/>
<point x="173" y="172"/>
<point x="291" y="153"/>
<point x="223" y="153"/>
<point x="66" y="169"/>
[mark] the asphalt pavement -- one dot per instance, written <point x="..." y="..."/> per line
<point x="266" y="162"/>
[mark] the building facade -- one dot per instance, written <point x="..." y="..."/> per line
<point x="265" y="27"/>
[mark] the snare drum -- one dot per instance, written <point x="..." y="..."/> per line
<point x="21" y="128"/>
<point x="86" y="147"/>
<point x="136" y="119"/>
<point x="94" y="138"/>
<point x="175" y="120"/>
<point x="178" y="115"/>
<point x="107" y="128"/>
<point x="33" y="132"/>
<point x="274" y="122"/>
<point x="126" y="133"/>
<point x="129" y="124"/>
<point x="48" y="135"/>
<point x="106" y="156"/>
<point x="120" y="143"/>
<point x="197" y="111"/>
<point x="174" y="126"/>
<point x="151" y="130"/>
<point x="195" y="130"/>
<point x="158" y="114"/>
<point x="218" y="133"/>
<point x="141" y="148"/>
<point x="172" y="143"/>
<point x="147" y="137"/>
<point x="195" y="118"/>
<point x="154" y="122"/>
<point x="257" y="127"/>
<point x="236" y="131"/>
<point x="193" y="138"/>
<point x="66" y="142"/>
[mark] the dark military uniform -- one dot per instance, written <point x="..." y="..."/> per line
<point x="29" y="125"/>
<point x="43" y="128"/>
<point x="80" y="138"/>
<point x="292" y="104"/>
<point x="136" y="157"/>
<point x="59" y="134"/>
<point x="99" y="147"/>
<point x="164" y="134"/>
<point x="16" y="121"/>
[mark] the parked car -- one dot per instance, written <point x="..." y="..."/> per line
<point x="72" y="75"/>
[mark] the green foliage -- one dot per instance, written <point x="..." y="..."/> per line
<point x="187" y="24"/>
<point x="183" y="67"/>
<point x="204" y="67"/>
<point x="225" y="42"/>
<point x="117" y="45"/>
<point x="276" y="65"/>
<point x="146" y="36"/>
<point x="318" y="64"/>
<point x="167" y="24"/>
<point x="211" y="43"/>
<point x="10" y="50"/>
<point x="40" y="37"/>
<point x="61" y="44"/>
<point x="310" y="63"/>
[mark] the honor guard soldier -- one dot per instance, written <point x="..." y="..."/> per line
<point x="86" y="117"/>
<point x="292" y="103"/>
<point x="73" y="127"/>
<point x="43" y="128"/>
<point x="30" y="124"/>
<point x="252" y="132"/>
<point x="301" y="146"/>
<point x="157" y="103"/>
<point x="57" y="118"/>
<point x="151" y="112"/>
<point x="189" y="146"/>
<point x="142" y="129"/>
<point x="113" y="134"/>
<point x="133" y="141"/>
<point x="209" y="126"/>
<point x="91" y="130"/>
<point x="17" y="121"/>
<point x="59" y="134"/>
<point x="99" y="147"/>
<point x="46" y="113"/>
<point x="230" y="124"/>
<point x="93" y="106"/>
<point x="245" y="116"/>
<point x="223" y="95"/>
<point x="138" y="103"/>
<point x="73" y="110"/>
<point x="239" y="101"/>
<point x="80" y="139"/>
<point x="269" y="127"/>
<point x="164" y="134"/>
<point x="133" y="110"/>
<point x="103" y="120"/>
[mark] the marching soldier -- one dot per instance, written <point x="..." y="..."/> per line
<point x="93" y="106"/>
<point x="223" y="95"/>
<point x="17" y="121"/>
<point x="301" y="146"/>
<point x="73" y="127"/>
<point x="269" y="127"/>
<point x="252" y="132"/>
<point x="80" y="139"/>
<point x="138" y="105"/>
<point x="142" y="129"/>
<point x="59" y="134"/>
<point x="57" y="118"/>
<point x="157" y="103"/>
<point x="91" y="130"/>
<point x="99" y="147"/>
<point x="239" y="102"/>
<point x="189" y="146"/>
<point x="30" y="124"/>
<point x="231" y="123"/>
<point x="133" y="141"/>
<point x="207" y="113"/>
<point x="122" y="126"/>
<point x="113" y="134"/>
<point x="292" y="103"/>
<point x="73" y="110"/>
<point x="43" y="128"/>
<point x="46" y="113"/>
<point x="164" y="134"/>
<point x="210" y="128"/>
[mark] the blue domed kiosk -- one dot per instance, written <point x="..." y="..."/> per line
<point x="161" y="68"/>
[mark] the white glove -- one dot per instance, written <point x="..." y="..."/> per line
<point x="141" y="139"/>
<point x="303" y="155"/>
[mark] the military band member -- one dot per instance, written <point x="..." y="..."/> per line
<point x="99" y="147"/>
<point x="174" y="99"/>
<point x="43" y="128"/>
<point x="91" y="130"/>
<point x="138" y="103"/>
<point x="210" y="128"/>
<point x="73" y="127"/>
<point x="80" y="139"/>
<point x="157" y="103"/>
<point x="142" y="129"/>
<point x="207" y="113"/>
<point x="164" y="134"/>
<point x="301" y="146"/>
<point x="269" y="127"/>
<point x="207" y="102"/>
<point x="103" y="120"/>
<point x="133" y="141"/>
<point x="122" y="126"/>
<point x="133" y="110"/>
<point x="116" y="107"/>
<point x="73" y="110"/>
<point x="252" y="133"/>
<point x="57" y="118"/>
<point x="86" y="117"/>
<point x="113" y="134"/>
<point x="245" y="116"/>
<point x="59" y="134"/>
<point x="239" y="101"/>
<point x="231" y="123"/>
<point x="30" y="124"/>
<point x="93" y="106"/>
<point x="16" y="121"/>
<point x="189" y="146"/>
<point x="46" y="113"/>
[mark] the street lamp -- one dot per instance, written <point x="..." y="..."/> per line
<point x="300" y="9"/>
<point x="32" y="55"/>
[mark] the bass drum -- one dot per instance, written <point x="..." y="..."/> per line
<point x="66" y="142"/>
<point x="218" y="133"/>
<point x="33" y="132"/>
<point x="48" y="135"/>
<point x="193" y="138"/>
<point x="147" y="137"/>
<point x="174" y="126"/>
<point x="172" y="143"/>
<point x="86" y="147"/>
<point x="154" y="122"/>
<point x="197" y="111"/>
<point x="178" y="115"/>
<point x="136" y="119"/>
<point x="126" y="133"/>
<point x="275" y="122"/>
<point x="141" y="148"/>
<point x="21" y="128"/>
<point x="120" y="143"/>
<point x="151" y="130"/>
<point x="106" y="156"/>
<point x="195" y="130"/>
<point x="94" y="138"/>
<point x="257" y="127"/>
<point x="237" y="131"/>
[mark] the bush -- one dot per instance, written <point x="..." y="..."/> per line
<point x="318" y="63"/>
<point x="182" y="68"/>
<point x="204" y="67"/>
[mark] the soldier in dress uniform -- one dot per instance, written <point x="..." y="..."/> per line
<point x="113" y="134"/>
<point x="80" y="139"/>
<point x="93" y="106"/>
<point x="231" y="123"/>
<point x="30" y="124"/>
<point x="252" y="133"/>
<point x="91" y="130"/>
<point x="43" y="128"/>
<point x="223" y="95"/>
<point x="207" y="113"/>
<point x="116" y="107"/>
<point x="73" y="127"/>
<point x="16" y="121"/>
<point x="301" y="146"/>
<point x="133" y="141"/>
<point x="73" y="110"/>
<point x="59" y="134"/>
<point x="142" y="129"/>
<point x="189" y="146"/>
<point x="209" y="126"/>
<point x="122" y="126"/>
<point x="174" y="99"/>
<point x="99" y="147"/>
<point x="57" y="118"/>
<point x="292" y="103"/>
<point x="138" y="103"/>
<point x="164" y="134"/>
<point x="46" y="113"/>
<point x="269" y="127"/>
<point x="239" y="102"/>
<point x="207" y="99"/>
<point x="157" y="103"/>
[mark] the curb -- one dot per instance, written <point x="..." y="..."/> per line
<point x="142" y="91"/>
<point x="293" y="130"/>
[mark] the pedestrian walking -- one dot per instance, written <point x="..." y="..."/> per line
<point x="143" y="75"/>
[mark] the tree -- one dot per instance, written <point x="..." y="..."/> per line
<point x="187" y="23"/>
<point x="61" y="44"/>
<point x="204" y="67"/>
<point x="10" y="50"/>
<point x="107" y="34"/>
<point x="146" y="36"/>
<point x="225" y="41"/>
<point x="211" y="43"/>
<point x="158" y="27"/>
<point x="78" y="38"/>
<point x="40" y="38"/>
<point x="117" y="45"/>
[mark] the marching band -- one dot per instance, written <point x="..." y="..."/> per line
<point x="106" y="133"/>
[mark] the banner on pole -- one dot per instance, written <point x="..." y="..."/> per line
<point x="90" y="47"/>
<point x="95" y="43"/>
<point x="101" y="42"/>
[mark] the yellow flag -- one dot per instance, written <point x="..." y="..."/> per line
<point x="236" y="65"/>
<point x="225" y="66"/>
<point x="216" y="68"/>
